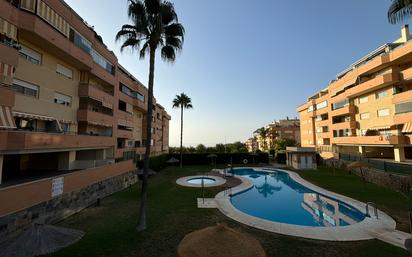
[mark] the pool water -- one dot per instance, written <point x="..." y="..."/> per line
<point x="277" y="197"/>
<point x="198" y="181"/>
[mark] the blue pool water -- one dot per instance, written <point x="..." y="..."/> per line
<point x="277" y="197"/>
<point x="198" y="181"/>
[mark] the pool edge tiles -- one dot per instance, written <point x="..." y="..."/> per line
<point x="368" y="228"/>
<point x="183" y="181"/>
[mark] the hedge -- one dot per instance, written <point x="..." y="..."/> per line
<point x="222" y="158"/>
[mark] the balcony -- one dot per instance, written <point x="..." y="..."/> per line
<point x="322" y="123"/>
<point x="121" y="133"/>
<point x="90" y="91"/>
<point x="348" y="109"/>
<point x="344" y="125"/>
<point x="95" y="117"/>
<point x="372" y="140"/>
<point x="24" y="140"/>
<point x="6" y="96"/>
<point x="406" y="74"/>
<point x="402" y="118"/>
<point x="9" y="55"/>
<point x="323" y="134"/>
<point x="402" y="97"/>
<point x="103" y="74"/>
<point x="34" y="28"/>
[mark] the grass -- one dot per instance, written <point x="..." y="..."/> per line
<point x="393" y="203"/>
<point x="110" y="227"/>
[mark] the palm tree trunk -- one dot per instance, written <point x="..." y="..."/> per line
<point x="143" y="201"/>
<point x="181" y="136"/>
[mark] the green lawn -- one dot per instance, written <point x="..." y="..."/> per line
<point x="393" y="203"/>
<point x="110" y="228"/>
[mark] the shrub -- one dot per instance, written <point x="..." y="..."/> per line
<point x="156" y="163"/>
<point x="222" y="158"/>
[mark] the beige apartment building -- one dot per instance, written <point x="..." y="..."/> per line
<point x="278" y="129"/>
<point x="67" y="107"/>
<point x="367" y="109"/>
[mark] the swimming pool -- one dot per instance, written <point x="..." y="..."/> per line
<point x="276" y="197"/>
<point x="198" y="181"/>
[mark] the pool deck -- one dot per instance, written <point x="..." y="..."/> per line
<point x="382" y="228"/>
<point x="218" y="181"/>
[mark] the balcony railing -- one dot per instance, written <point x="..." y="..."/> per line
<point x="26" y="140"/>
<point x="372" y="140"/>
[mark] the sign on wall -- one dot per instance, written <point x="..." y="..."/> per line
<point x="57" y="186"/>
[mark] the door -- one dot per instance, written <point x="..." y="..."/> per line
<point x="309" y="162"/>
<point x="303" y="162"/>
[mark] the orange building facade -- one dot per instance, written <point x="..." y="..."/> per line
<point x="367" y="109"/>
<point x="66" y="104"/>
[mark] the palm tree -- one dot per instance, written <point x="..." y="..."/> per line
<point x="182" y="101"/>
<point x="263" y="133"/>
<point x="399" y="11"/>
<point x="154" y="26"/>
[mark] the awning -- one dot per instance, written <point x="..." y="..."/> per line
<point x="407" y="127"/>
<point x="380" y="128"/>
<point x="32" y="116"/>
<point x="346" y="84"/>
<point x="99" y="124"/>
<point x="8" y="29"/>
<point x="68" y="121"/>
<point x="6" y="118"/>
<point x="107" y="105"/>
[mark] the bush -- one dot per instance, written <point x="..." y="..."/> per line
<point x="222" y="158"/>
<point x="156" y="163"/>
<point x="281" y="158"/>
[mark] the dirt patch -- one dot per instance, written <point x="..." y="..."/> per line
<point x="219" y="241"/>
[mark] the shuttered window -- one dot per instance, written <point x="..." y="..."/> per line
<point x="30" y="55"/>
<point x="64" y="71"/>
<point x="25" y="88"/>
<point x="62" y="99"/>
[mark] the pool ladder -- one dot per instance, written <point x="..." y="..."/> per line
<point x="375" y="210"/>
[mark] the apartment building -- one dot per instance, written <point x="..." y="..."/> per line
<point x="278" y="129"/>
<point x="66" y="105"/>
<point x="367" y="109"/>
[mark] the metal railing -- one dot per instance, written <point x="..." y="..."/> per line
<point x="386" y="166"/>
<point x="375" y="210"/>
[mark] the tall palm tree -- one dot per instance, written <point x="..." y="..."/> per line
<point x="154" y="26"/>
<point x="263" y="134"/>
<point x="182" y="101"/>
<point x="399" y="10"/>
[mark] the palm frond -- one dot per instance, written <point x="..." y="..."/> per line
<point x="131" y="42"/>
<point x="168" y="53"/>
<point x="168" y="13"/>
<point x="399" y="11"/>
<point x="152" y="7"/>
<point x="175" y="30"/>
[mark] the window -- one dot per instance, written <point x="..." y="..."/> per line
<point x="363" y="99"/>
<point x="404" y="107"/>
<point x="322" y="105"/>
<point x="125" y="89"/>
<point x="30" y="55"/>
<point x="383" y="112"/>
<point x="100" y="60"/>
<point x="64" y="71"/>
<point x="25" y="88"/>
<point x="364" y="116"/>
<point x="122" y="106"/>
<point x="80" y="41"/>
<point x="311" y="108"/>
<point x="381" y="94"/>
<point x="62" y="99"/>
<point x="340" y="104"/>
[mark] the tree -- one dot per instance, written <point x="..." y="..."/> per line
<point x="182" y="101"/>
<point x="200" y="148"/>
<point x="220" y="148"/>
<point x="154" y="26"/>
<point x="281" y="144"/>
<point x="399" y="11"/>
<point x="263" y="133"/>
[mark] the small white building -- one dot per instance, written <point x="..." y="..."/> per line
<point x="301" y="158"/>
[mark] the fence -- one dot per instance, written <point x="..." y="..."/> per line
<point x="383" y="165"/>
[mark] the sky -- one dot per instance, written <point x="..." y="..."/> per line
<point x="246" y="63"/>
